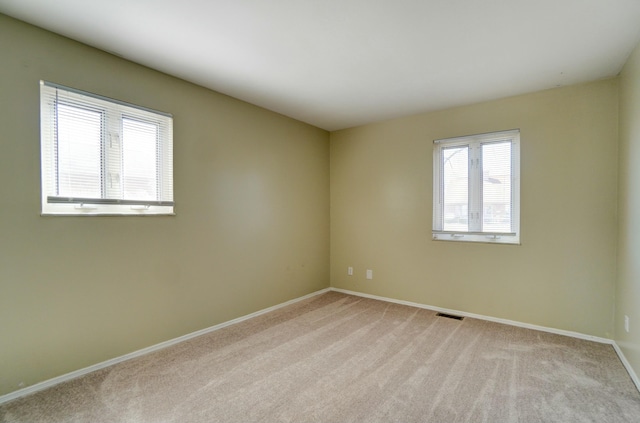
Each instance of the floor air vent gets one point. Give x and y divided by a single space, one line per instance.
449 316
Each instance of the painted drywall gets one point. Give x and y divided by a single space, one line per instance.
628 283
251 230
563 274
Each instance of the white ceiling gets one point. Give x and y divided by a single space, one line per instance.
342 63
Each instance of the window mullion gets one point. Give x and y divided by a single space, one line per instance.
113 157
475 188
103 155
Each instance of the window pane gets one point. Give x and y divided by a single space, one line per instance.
79 152
496 187
455 173
140 160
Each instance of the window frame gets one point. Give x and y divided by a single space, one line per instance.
475 184
112 201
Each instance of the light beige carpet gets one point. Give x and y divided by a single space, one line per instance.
340 358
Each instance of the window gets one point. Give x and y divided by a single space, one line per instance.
476 188
101 156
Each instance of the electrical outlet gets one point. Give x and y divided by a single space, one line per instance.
350 271
626 323
369 274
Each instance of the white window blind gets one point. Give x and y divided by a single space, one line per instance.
139 152
102 156
79 151
476 188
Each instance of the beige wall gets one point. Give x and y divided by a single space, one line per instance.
563 274
251 231
252 225
628 286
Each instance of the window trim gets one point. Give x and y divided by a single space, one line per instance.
114 112
475 188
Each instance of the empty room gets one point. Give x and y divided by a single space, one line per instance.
320 211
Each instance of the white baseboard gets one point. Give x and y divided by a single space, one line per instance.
578 335
479 316
627 365
81 372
